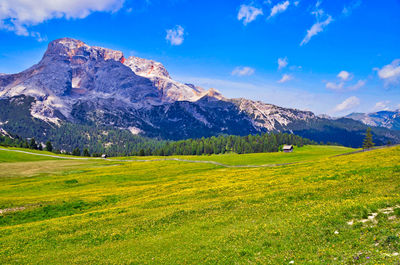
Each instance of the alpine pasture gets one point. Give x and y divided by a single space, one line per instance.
319 209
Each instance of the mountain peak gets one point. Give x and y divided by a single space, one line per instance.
213 93
146 68
68 42
76 49
384 118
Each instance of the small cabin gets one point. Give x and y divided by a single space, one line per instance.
103 156
288 148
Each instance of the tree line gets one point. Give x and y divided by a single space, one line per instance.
268 142
260 143
17 141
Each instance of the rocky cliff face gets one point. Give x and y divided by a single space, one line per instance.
83 84
159 76
70 72
78 82
146 68
271 117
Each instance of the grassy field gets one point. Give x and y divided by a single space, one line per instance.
21 157
171 212
305 153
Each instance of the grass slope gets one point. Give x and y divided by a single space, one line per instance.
306 153
169 212
9 156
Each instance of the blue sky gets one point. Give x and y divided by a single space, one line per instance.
333 57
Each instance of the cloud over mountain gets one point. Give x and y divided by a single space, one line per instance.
243 71
282 63
390 73
322 20
285 78
248 13
279 8
175 36
19 15
347 104
344 75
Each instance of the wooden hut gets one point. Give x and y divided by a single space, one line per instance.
288 148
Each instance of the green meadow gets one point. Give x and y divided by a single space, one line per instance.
11 157
302 154
323 209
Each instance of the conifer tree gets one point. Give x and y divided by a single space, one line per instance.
141 152
86 152
32 144
368 143
76 152
49 146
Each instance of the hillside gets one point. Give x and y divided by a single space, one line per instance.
301 154
90 88
324 210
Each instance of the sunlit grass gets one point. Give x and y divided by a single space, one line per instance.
305 153
7 156
170 212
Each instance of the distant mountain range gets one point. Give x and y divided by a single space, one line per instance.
78 84
386 119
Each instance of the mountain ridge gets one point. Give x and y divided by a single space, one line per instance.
385 118
90 85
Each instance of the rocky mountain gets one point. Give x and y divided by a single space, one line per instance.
386 119
75 83
271 117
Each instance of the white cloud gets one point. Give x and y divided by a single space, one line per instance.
344 75
322 20
285 78
335 86
19 15
279 8
381 105
296 3
175 35
348 104
347 10
390 73
315 29
282 62
358 85
248 13
340 86
243 71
